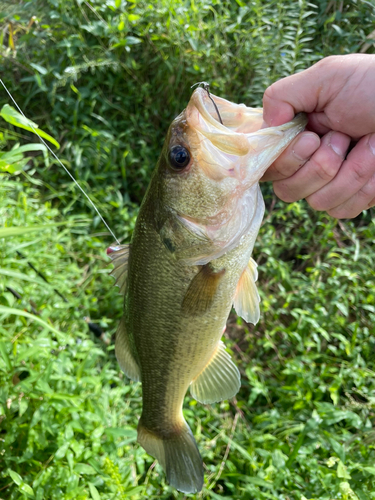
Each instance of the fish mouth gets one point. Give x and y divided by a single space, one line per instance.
235 118
227 148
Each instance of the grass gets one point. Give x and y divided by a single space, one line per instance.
105 82
301 425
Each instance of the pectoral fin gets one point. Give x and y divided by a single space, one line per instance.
124 355
219 380
119 256
202 290
246 300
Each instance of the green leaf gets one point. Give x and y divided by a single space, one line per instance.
133 491
258 481
15 118
25 488
24 277
39 68
29 147
297 446
132 40
22 407
94 492
17 312
370 470
218 497
119 432
5 356
60 453
8 167
15 231
234 444
84 469
13 161
16 477
342 471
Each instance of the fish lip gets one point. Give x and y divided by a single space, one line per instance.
201 99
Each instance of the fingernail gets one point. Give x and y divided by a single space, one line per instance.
339 143
306 146
371 143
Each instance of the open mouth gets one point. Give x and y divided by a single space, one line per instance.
231 148
235 118
230 135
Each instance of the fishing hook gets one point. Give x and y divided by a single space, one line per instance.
206 87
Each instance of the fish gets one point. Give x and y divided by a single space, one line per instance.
189 261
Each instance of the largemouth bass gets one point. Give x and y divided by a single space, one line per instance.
188 262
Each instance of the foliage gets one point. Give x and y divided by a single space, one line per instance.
106 78
14 160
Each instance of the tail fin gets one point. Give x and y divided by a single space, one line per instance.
178 455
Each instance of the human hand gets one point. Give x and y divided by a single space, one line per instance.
338 94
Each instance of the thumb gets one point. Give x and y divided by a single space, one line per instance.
289 96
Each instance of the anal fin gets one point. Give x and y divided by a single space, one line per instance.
124 355
219 380
246 300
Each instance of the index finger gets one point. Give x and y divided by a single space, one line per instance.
291 95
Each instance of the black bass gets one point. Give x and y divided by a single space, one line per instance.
188 263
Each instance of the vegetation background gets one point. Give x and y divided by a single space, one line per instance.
105 78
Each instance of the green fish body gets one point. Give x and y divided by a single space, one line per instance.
188 263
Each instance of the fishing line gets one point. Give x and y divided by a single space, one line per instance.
60 163
206 87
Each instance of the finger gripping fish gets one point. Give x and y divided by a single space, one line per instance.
188 262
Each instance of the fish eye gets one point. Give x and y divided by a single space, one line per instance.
179 157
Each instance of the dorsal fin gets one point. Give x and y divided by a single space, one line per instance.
119 256
246 300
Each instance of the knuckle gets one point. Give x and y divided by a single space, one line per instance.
281 191
359 172
366 191
286 166
276 170
270 93
316 203
336 213
323 64
325 169
327 62
342 213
